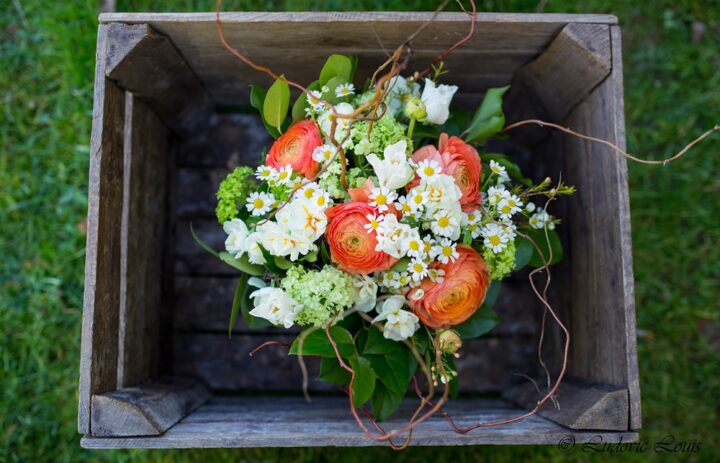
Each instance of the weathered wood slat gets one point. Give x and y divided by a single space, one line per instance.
99 350
143 233
148 409
600 281
551 85
581 406
290 422
224 363
298 43
156 72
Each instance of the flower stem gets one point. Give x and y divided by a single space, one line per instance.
410 129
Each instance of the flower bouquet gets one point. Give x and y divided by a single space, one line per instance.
379 225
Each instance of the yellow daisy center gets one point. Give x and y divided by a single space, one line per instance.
258 203
309 193
380 200
414 245
447 251
418 267
494 240
443 222
429 171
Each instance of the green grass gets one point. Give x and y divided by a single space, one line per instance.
46 70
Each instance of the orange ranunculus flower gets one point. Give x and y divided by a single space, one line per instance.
352 248
295 148
460 160
460 294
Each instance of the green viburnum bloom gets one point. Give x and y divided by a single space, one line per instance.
502 263
385 132
330 180
323 293
232 193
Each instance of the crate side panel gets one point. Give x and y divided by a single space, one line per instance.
290 422
99 350
602 302
144 232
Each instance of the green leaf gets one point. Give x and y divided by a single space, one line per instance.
282 263
317 343
242 264
523 252
298 109
276 104
512 169
257 100
337 66
246 306
310 257
385 402
455 381
492 293
270 262
393 368
331 372
202 243
482 321
325 253
467 237
237 301
489 118
377 343
401 265
364 384
538 236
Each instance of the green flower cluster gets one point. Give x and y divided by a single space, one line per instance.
330 180
356 178
232 193
323 293
502 263
385 132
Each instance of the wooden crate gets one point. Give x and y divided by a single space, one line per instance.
157 367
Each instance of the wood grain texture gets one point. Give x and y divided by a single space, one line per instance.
223 363
156 73
290 422
602 314
143 233
551 85
297 44
99 349
580 406
148 409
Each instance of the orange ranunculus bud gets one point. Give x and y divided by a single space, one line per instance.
352 246
460 294
295 148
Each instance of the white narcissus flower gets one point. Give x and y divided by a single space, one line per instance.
366 292
399 324
395 236
437 101
275 305
394 171
255 255
237 233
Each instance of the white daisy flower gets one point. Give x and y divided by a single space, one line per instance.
417 198
322 199
418 269
437 275
405 207
446 224
417 294
541 219
497 169
470 218
344 90
374 223
284 175
381 197
324 153
428 243
404 279
308 191
260 203
415 247
446 251
428 168
509 205
474 229
495 195
265 173
314 100
391 280
495 237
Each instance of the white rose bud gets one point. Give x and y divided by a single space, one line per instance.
437 101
